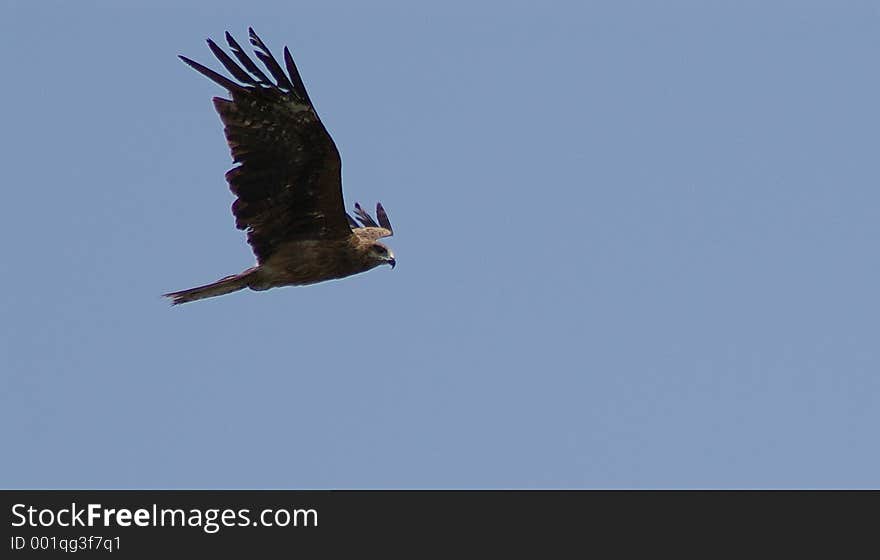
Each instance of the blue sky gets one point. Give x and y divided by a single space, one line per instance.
636 241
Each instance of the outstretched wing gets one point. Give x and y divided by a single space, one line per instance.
288 182
368 228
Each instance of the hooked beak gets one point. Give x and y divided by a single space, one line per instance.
392 262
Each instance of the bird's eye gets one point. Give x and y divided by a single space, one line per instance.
380 249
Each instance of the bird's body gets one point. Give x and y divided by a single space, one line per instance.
288 182
293 264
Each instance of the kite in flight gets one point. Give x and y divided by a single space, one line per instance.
288 181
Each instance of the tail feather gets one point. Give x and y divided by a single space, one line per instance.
223 286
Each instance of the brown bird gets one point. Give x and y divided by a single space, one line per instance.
288 181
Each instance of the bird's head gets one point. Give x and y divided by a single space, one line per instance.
381 254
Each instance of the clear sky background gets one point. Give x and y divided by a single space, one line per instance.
637 247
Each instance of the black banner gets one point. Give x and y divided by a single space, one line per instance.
125 524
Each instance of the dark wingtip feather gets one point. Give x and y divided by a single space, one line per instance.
298 85
213 76
363 216
254 38
246 61
383 217
265 55
230 64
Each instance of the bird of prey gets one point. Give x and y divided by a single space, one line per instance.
288 182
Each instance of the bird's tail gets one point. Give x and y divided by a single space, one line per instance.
220 287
